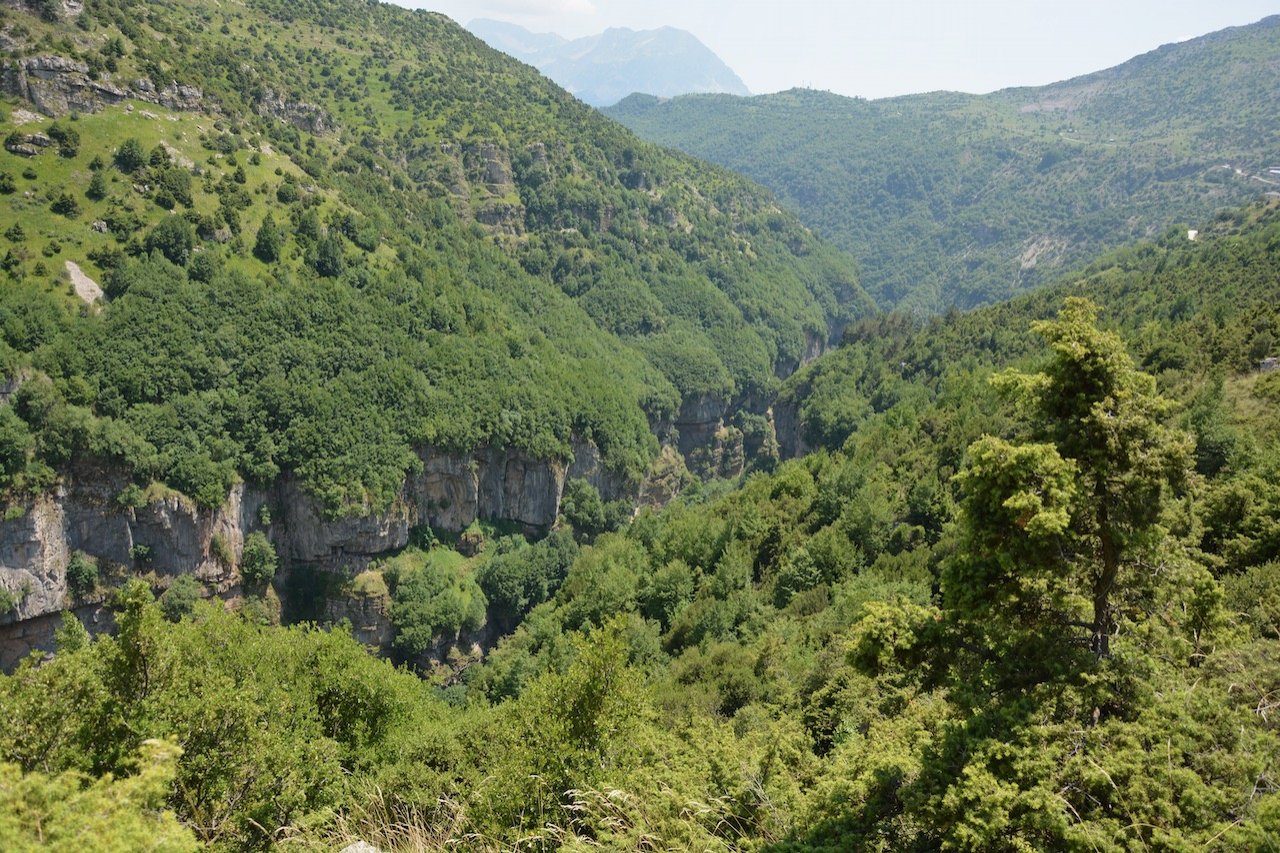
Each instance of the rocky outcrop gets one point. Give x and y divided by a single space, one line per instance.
587 465
667 478
163 537
304 116
368 615
502 218
787 428
58 9
56 85
815 344
697 423
489 165
166 535
724 457
173 96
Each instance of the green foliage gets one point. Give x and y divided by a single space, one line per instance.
432 600
589 515
258 561
66 205
68 139
266 246
130 156
179 600
954 199
69 810
174 238
608 274
767 666
517 577
82 575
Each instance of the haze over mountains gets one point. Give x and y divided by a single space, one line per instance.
602 69
954 199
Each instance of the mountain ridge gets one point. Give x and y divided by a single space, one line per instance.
948 198
604 68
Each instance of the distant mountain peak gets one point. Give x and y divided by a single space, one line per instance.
603 69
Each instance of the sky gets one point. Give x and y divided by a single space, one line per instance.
879 48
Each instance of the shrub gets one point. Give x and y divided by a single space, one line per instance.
180 598
82 575
68 139
258 561
267 247
435 601
174 238
66 205
130 157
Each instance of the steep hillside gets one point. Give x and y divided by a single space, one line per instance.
335 271
603 69
897 644
951 199
462 219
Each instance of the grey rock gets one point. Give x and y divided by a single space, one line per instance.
360 847
302 115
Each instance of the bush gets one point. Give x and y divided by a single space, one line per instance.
258 561
435 601
174 238
267 247
327 259
66 205
205 266
180 598
82 575
130 156
68 139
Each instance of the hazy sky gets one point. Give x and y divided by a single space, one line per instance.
880 48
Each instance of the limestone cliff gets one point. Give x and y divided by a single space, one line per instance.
56 86
164 534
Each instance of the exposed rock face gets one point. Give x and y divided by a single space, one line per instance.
667 478
724 456
169 535
369 616
699 420
304 116
490 165
815 345
173 96
586 465
502 217
56 85
786 424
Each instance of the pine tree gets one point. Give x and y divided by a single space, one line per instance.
1055 526
270 241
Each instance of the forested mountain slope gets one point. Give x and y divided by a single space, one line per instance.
1030 601
954 199
333 232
